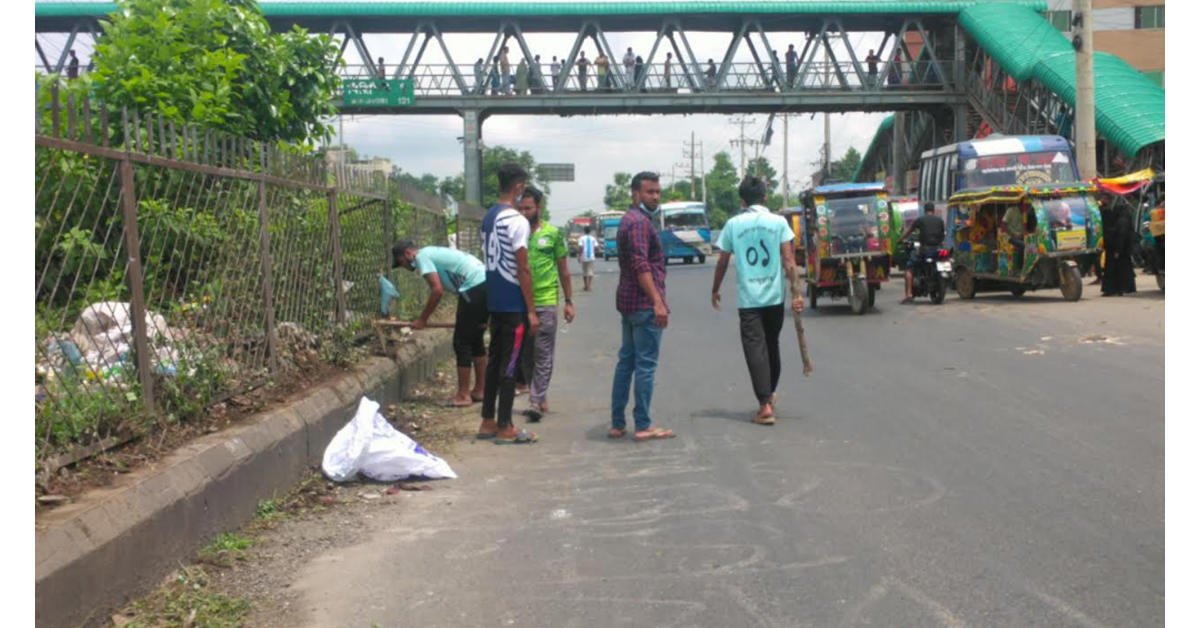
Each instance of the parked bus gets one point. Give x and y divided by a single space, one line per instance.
998 160
606 226
683 231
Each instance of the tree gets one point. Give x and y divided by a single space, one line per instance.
216 63
761 167
844 168
494 157
616 194
722 182
680 191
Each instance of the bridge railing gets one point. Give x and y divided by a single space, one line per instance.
434 80
442 80
179 268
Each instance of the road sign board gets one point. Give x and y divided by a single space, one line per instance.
557 172
378 93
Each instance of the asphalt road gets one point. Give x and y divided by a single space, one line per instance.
996 462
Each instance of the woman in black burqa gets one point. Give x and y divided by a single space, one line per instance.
1119 278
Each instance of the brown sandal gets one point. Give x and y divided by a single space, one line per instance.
654 433
616 433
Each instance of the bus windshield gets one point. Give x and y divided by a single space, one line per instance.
610 232
577 228
1033 168
687 219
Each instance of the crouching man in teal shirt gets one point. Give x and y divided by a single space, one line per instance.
449 269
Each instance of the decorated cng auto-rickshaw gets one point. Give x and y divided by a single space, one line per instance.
846 231
1020 238
1143 194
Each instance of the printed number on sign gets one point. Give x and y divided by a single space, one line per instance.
753 256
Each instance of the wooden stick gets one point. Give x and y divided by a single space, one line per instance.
798 293
410 324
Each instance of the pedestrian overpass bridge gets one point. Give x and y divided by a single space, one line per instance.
950 70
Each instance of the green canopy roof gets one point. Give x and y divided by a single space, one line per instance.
884 128
1131 111
599 9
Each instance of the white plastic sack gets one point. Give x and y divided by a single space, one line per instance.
370 445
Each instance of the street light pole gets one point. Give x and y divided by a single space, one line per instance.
1085 91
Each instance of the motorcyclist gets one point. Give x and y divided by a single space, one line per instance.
933 234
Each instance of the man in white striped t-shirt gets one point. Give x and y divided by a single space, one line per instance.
514 321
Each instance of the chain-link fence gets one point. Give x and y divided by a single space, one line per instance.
470 220
177 266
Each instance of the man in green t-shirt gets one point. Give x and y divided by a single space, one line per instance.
548 265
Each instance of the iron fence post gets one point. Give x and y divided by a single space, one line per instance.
388 234
335 238
137 299
264 246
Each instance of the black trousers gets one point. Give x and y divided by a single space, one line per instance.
470 321
760 329
510 353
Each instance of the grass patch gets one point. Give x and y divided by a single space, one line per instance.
226 548
269 510
185 601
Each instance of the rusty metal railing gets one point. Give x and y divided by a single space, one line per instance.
178 266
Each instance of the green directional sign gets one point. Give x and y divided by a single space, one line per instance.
378 93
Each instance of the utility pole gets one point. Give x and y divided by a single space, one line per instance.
689 152
827 166
785 160
703 180
741 142
675 178
1085 90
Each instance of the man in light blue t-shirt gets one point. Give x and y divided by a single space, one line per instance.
450 270
762 243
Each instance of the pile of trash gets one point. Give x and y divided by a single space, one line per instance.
98 346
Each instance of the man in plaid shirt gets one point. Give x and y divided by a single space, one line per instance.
642 302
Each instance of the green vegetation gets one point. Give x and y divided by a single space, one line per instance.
188 601
844 168
269 509
225 549
616 194
216 63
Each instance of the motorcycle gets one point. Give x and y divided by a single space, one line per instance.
931 271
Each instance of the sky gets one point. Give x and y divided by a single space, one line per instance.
599 146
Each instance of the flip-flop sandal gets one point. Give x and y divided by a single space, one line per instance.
655 434
907 301
485 436
533 414
615 433
770 420
456 404
523 438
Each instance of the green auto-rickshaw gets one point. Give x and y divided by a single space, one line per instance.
1057 226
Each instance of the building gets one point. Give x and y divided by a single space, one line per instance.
1134 30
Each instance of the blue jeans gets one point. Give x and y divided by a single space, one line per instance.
638 359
